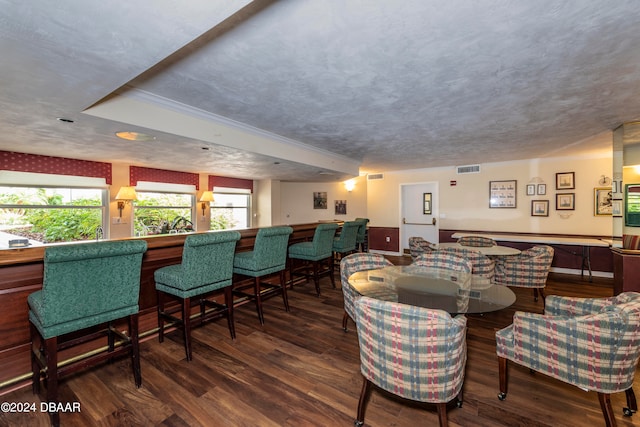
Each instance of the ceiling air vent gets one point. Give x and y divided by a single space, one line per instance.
467 169
375 176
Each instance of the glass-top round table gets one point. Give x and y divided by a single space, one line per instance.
430 287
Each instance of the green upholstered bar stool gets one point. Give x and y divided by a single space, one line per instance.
207 266
85 286
345 243
268 257
317 255
362 238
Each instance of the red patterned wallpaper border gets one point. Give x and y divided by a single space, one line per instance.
223 181
137 173
36 163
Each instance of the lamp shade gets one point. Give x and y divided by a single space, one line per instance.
126 193
207 196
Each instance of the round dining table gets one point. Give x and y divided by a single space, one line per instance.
430 287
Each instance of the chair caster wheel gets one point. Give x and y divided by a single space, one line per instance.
357 423
502 396
627 412
458 403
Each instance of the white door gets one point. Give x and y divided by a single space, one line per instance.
419 212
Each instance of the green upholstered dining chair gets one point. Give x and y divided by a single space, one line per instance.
84 285
207 266
415 353
361 239
345 243
268 257
316 256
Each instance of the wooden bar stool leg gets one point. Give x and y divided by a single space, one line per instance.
228 301
36 343
283 285
258 298
51 351
135 349
186 326
160 296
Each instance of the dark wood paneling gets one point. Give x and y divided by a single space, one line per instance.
378 239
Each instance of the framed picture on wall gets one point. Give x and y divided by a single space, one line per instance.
602 201
502 194
531 189
539 208
616 208
319 200
341 207
565 181
542 189
565 201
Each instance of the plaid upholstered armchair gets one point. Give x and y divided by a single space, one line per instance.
419 246
590 343
529 269
442 259
483 267
350 264
413 352
476 241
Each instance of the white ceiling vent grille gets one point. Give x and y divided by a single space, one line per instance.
375 176
467 169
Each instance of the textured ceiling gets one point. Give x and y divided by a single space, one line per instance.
303 90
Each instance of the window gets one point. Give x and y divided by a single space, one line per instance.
161 213
230 210
51 214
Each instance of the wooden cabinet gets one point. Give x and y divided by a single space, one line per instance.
626 270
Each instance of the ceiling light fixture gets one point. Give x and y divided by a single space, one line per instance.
135 136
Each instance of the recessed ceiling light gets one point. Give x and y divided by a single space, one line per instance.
135 136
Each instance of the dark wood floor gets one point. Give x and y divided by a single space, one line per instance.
301 369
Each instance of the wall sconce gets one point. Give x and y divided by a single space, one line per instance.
125 195
350 185
207 196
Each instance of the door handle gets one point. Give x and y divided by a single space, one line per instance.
433 221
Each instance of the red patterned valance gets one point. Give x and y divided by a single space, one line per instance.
22 162
159 175
223 181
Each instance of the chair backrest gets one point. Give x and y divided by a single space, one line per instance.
347 239
270 247
323 239
441 259
208 257
418 246
88 279
362 229
530 268
413 352
361 261
481 264
476 241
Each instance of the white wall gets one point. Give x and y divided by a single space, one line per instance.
297 201
466 205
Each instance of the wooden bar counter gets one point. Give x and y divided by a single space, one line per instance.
21 274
